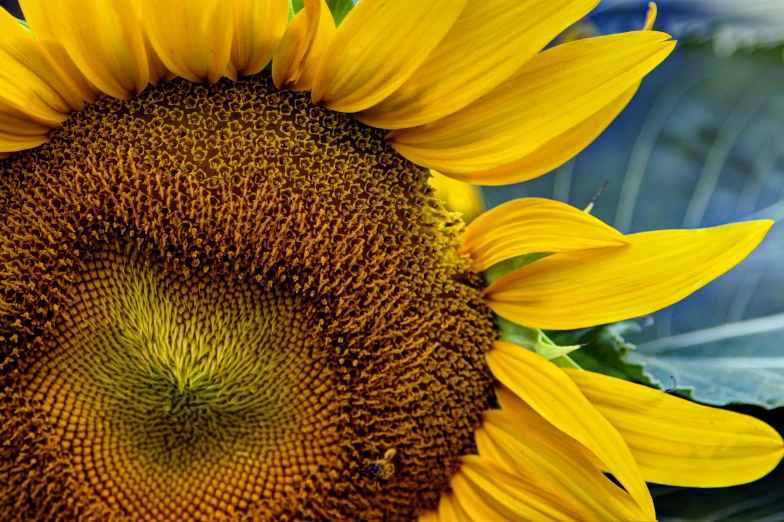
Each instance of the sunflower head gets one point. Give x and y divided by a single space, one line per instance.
229 292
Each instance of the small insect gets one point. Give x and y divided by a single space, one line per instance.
382 468
674 385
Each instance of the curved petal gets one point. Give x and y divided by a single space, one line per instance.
533 225
678 442
555 152
158 72
258 27
592 287
43 22
449 509
11 142
105 42
302 46
528 444
550 392
491 40
540 102
29 89
377 47
488 493
459 197
561 148
193 42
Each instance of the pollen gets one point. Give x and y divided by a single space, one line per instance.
217 302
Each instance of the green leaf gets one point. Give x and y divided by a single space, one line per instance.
740 362
604 350
339 8
565 361
536 341
532 339
502 268
295 6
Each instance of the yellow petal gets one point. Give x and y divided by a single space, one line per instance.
258 27
488 493
592 287
378 46
650 17
533 225
192 38
449 509
459 197
561 148
43 22
550 392
555 152
553 92
28 85
302 46
680 443
528 444
105 41
11 142
491 40
158 71
17 123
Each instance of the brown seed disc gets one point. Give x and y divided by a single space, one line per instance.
226 303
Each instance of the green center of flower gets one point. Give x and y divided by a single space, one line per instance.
230 302
157 381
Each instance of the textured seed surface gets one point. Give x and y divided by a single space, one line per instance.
223 303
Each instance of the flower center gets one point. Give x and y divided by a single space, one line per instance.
156 381
224 301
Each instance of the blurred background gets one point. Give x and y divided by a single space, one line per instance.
701 144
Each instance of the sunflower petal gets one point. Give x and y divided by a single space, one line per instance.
258 27
550 392
563 147
449 509
507 400
533 225
490 42
43 22
302 46
592 287
158 71
528 444
11 142
540 102
555 152
459 197
486 492
378 46
105 41
193 42
680 443
29 96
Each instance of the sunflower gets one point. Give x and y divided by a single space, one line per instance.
227 291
